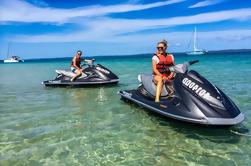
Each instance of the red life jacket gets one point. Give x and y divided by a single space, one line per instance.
165 61
78 61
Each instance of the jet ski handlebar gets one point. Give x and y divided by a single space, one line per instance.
193 62
89 61
183 68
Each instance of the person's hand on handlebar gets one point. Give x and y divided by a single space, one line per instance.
168 78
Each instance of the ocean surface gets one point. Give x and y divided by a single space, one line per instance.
92 126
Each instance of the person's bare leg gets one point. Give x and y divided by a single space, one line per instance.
78 73
159 81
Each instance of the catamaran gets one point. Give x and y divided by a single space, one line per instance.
196 51
12 59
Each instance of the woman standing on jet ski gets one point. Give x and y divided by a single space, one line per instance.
161 61
75 65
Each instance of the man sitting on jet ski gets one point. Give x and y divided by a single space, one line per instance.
161 61
75 65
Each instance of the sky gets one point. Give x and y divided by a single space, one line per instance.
52 28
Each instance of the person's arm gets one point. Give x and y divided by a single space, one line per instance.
170 76
74 63
172 73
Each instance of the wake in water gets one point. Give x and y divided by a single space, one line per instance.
240 130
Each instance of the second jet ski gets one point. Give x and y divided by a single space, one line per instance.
92 75
195 99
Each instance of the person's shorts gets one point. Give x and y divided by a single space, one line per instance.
73 69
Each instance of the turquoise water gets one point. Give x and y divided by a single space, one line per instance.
92 126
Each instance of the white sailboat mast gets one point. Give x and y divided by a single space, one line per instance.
8 51
194 40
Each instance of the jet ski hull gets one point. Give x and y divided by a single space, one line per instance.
172 108
63 83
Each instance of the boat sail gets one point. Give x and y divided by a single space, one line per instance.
196 51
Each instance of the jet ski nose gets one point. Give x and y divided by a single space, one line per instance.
139 78
226 121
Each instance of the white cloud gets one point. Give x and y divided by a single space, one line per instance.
39 3
21 11
107 29
142 43
127 31
206 3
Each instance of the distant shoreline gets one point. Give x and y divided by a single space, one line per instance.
143 54
230 51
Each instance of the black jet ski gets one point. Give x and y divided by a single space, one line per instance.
195 99
92 75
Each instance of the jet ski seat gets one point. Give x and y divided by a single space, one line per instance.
69 73
150 86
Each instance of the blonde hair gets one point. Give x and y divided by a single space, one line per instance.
163 41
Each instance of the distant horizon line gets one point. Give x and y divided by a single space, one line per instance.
208 52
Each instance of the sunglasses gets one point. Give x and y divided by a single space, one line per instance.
160 48
79 54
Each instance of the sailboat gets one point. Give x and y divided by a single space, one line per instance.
196 51
12 59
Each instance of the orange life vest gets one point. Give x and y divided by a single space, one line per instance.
165 61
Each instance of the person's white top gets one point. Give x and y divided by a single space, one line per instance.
155 58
